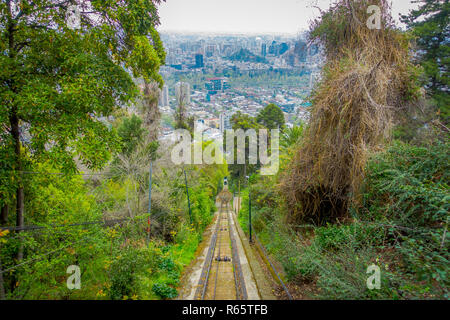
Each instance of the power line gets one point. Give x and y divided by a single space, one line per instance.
105 222
33 227
42 257
59 249
21 236
65 173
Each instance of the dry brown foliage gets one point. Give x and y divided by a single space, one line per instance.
151 111
366 79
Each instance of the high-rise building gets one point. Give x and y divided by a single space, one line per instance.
210 50
164 97
185 46
264 50
273 48
225 122
213 85
183 93
282 48
199 61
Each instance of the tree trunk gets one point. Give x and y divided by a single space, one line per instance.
20 218
2 287
19 192
151 111
4 214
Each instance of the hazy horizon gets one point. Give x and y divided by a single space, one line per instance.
248 16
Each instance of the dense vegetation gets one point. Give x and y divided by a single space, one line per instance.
77 141
115 258
365 182
397 218
430 25
401 226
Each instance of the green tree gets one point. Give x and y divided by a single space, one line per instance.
243 121
291 136
271 117
430 25
131 132
56 83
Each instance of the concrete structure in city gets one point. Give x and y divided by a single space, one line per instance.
214 85
199 61
225 122
164 97
183 93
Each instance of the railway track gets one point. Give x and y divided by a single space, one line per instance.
221 277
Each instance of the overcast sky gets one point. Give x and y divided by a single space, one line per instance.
247 16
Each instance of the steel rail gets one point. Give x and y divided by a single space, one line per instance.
236 284
205 285
218 260
241 290
203 282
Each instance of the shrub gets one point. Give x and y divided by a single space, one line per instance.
400 226
123 273
356 234
164 291
409 184
406 190
167 264
342 275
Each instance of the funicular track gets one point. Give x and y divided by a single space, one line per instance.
221 277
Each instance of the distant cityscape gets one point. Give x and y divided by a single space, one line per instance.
219 75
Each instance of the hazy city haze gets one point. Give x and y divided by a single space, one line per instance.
247 16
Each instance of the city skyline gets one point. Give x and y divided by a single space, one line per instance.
249 16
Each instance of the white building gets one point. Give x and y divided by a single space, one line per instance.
225 122
164 97
313 78
183 93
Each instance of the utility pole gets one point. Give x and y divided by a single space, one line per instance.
239 195
187 193
249 211
149 201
